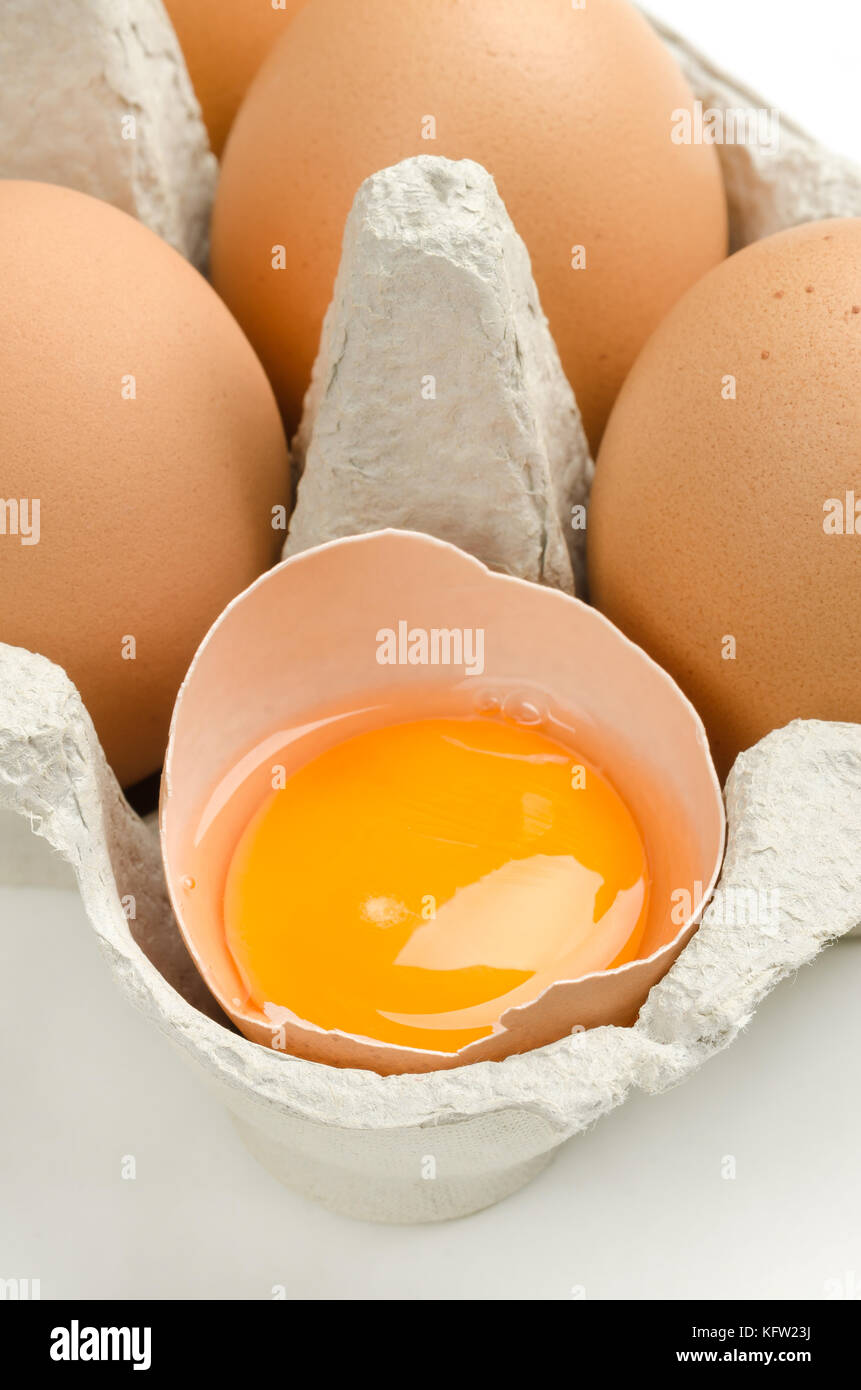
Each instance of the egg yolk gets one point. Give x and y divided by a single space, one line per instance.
413 882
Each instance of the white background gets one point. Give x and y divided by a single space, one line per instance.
637 1208
801 55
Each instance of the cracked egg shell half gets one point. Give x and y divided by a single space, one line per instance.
550 794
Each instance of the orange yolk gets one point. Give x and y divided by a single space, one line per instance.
413 882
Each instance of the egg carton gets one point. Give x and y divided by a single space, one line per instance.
96 96
443 1144
412 1147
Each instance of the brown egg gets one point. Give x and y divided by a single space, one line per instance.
570 110
224 43
725 522
142 452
